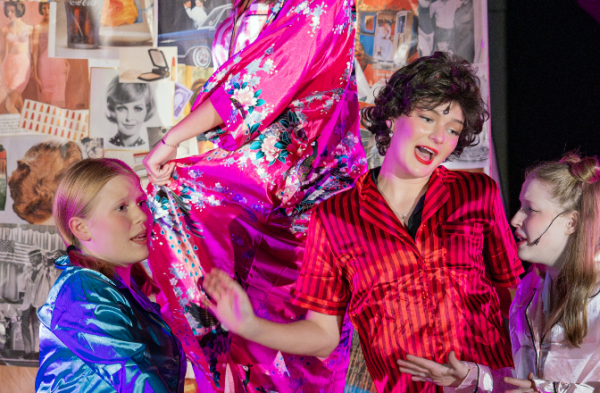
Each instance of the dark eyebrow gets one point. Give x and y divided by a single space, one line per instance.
439 114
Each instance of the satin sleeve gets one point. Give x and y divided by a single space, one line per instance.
301 61
95 322
483 379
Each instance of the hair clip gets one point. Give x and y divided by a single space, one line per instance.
72 248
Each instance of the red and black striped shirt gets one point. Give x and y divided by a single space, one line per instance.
426 296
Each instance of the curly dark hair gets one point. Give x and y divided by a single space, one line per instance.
427 83
18 6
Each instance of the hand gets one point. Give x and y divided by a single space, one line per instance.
525 385
157 163
449 374
229 302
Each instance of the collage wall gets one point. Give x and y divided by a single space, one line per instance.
93 78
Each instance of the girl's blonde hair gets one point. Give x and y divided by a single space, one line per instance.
574 183
76 197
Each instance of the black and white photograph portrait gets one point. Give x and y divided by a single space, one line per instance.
121 112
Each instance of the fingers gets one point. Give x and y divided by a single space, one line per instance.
422 362
160 175
524 390
412 368
531 377
460 369
521 383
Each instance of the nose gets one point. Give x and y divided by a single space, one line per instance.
517 219
439 134
141 215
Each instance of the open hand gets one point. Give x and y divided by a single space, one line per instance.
524 385
229 302
157 163
449 374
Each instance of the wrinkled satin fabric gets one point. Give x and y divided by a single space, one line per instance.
290 139
97 335
557 367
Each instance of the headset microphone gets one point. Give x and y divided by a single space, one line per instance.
535 243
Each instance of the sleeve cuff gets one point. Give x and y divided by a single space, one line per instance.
478 380
233 128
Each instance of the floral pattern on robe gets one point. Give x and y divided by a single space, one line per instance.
290 139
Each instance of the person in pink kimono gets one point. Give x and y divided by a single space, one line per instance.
282 109
555 316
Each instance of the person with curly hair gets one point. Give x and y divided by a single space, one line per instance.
415 254
33 183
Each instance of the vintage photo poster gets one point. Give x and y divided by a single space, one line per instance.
35 164
93 147
27 71
27 273
181 98
85 29
121 112
141 65
392 33
452 26
190 26
386 40
477 156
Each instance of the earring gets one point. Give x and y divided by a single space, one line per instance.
391 134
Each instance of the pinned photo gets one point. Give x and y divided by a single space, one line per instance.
139 65
52 120
28 72
96 28
35 164
181 99
121 112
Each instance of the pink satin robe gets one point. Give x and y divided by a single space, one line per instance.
290 139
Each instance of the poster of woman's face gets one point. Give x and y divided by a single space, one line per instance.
121 112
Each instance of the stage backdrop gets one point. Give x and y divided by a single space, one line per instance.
57 58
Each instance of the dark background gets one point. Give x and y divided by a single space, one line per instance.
545 84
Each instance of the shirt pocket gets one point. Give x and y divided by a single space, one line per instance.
462 246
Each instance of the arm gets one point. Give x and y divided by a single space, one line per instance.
202 119
456 376
3 48
317 335
532 384
35 41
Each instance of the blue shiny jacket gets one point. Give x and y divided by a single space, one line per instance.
97 335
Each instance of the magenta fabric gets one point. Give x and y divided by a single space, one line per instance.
290 140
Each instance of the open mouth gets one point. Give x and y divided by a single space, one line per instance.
520 239
141 238
424 154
